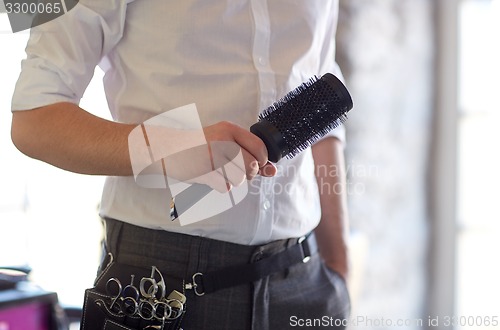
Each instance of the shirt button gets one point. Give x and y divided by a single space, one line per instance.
262 61
266 205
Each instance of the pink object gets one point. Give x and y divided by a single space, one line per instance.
29 316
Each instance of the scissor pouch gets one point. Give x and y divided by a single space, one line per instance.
133 298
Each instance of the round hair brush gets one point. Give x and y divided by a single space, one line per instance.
303 116
289 126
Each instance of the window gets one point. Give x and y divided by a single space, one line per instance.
466 231
478 240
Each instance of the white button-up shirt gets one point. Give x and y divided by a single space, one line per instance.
231 58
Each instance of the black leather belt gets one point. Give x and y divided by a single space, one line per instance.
203 283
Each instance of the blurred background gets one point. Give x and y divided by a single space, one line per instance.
422 170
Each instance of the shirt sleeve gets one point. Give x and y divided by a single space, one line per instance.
339 132
62 54
328 63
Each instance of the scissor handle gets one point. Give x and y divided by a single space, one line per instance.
109 291
130 291
149 286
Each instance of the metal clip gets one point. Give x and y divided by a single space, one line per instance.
194 286
305 249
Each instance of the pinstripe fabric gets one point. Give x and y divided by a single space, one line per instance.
306 293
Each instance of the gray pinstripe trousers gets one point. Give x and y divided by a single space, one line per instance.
307 295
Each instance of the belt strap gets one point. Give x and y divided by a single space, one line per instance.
236 275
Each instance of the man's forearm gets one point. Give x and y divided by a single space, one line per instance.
71 138
332 230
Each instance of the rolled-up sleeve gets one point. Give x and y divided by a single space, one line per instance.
63 53
328 63
339 132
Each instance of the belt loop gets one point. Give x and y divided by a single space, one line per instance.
203 254
113 235
193 263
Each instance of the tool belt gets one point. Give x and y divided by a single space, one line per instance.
127 297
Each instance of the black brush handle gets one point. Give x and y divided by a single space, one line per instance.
272 138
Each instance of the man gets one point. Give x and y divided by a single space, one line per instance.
232 59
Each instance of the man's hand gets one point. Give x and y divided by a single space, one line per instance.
224 139
230 155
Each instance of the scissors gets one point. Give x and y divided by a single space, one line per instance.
149 286
124 299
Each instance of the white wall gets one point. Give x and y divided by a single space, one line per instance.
385 48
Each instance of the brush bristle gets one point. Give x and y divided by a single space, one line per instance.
309 112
